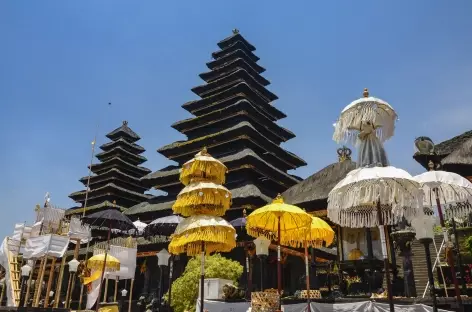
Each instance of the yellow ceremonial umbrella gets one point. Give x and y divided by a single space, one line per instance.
202 198
202 233
96 262
318 232
284 219
101 262
203 167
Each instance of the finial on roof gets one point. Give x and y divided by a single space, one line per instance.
125 123
235 31
366 92
244 213
344 153
114 203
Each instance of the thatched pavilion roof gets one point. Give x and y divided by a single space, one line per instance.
312 193
462 155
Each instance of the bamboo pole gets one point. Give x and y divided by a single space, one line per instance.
116 289
37 294
130 295
105 292
50 278
57 296
28 287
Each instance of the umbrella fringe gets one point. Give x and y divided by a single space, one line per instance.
210 171
216 239
213 202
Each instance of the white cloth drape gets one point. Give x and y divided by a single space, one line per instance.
51 245
77 230
4 262
363 306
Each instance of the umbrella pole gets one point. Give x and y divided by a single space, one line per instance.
116 289
452 264
202 277
279 266
130 295
307 273
97 306
382 230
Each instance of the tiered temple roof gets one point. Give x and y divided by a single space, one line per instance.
116 180
236 121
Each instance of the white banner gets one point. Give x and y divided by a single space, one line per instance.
127 257
77 230
52 245
4 262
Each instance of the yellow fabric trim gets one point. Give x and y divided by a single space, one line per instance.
95 276
96 263
209 201
217 239
207 170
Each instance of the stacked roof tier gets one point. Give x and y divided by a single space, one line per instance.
116 180
236 121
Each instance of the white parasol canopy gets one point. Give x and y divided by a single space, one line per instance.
140 226
366 109
454 192
352 202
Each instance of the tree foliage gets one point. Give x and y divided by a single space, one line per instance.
185 288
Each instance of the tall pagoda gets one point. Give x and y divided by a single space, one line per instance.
236 121
116 178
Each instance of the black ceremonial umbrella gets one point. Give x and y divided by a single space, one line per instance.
109 218
164 226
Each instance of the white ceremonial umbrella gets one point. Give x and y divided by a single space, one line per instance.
448 189
454 192
353 201
376 196
139 226
366 109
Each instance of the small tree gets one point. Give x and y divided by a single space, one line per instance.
185 288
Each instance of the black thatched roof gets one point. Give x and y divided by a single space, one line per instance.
106 190
135 158
235 37
157 203
193 146
241 90
315 189
462 155
130 147
123 132
106 204
237 46
119 162
235 77
241 108
448 146
253 69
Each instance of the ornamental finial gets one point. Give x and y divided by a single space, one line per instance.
235 31
366 92
344 153
278 200
430 165
204 151
125 123
244 213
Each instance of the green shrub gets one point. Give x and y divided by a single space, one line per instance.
185 288
468 244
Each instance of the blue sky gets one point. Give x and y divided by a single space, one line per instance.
61 62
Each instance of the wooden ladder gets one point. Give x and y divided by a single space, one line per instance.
14 278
